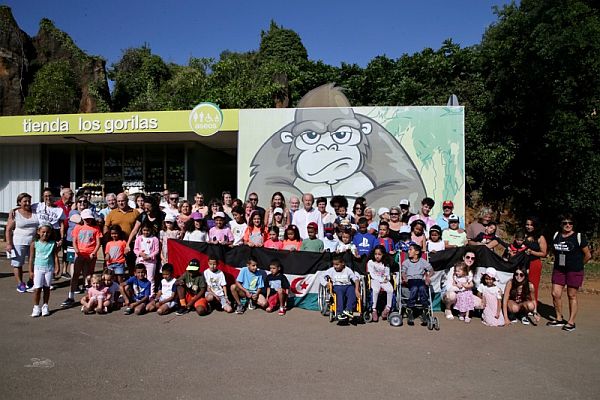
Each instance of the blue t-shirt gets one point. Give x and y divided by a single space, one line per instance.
251 281
364 242
140 287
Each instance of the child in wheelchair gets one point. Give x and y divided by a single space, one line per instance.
416 274
346 287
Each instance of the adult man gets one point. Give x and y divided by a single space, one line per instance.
426 205
253 199
405 213
164 202
125 217
447 211
111 204
306 215
52 215
173 207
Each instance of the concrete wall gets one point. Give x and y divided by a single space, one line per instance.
20 171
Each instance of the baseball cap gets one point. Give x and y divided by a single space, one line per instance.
278 210
196 216
170 218
219 214
453 217
405 202
193 265
87 214
383 210
447 203
312 225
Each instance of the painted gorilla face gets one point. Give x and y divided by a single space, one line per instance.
327 153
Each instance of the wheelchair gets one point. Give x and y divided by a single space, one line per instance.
400 310
327 300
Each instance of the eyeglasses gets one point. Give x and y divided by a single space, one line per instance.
564 223
519 274
394 213
469 257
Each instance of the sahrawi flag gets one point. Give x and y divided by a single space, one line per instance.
304 269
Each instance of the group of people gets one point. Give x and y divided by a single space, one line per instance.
134 233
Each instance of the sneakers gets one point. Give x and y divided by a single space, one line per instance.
449 315
568 327
36 311
22 288
556 322
281 311
467 320
182 311
67 303
525 320
129 311
342 317
251 305
374 316
66 275
385 313
45 310
410 317
80 290
348 313
239 309
30 289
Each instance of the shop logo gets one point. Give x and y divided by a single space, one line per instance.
206 119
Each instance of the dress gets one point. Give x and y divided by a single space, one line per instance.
491 295
464 297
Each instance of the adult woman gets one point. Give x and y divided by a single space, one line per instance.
373 226
151 216
518 299
227 203
139 202
571 252
449 295
248 208
20 230
277 201
185 211
52 215
214 207
484 218
395 223
537 248
199 205
358 210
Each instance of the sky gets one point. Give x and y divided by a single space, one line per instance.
332 31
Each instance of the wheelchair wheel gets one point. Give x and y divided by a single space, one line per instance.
395 319
436 323
331 316
430 324
322 300
367 316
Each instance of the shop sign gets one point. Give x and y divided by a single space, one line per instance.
206 119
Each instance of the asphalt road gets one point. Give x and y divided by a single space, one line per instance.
258 355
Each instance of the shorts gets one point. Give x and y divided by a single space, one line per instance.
222 300
42 278
117 268
170 304
20 251
87 264
572 279
199 303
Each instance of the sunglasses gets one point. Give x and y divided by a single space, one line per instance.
173 198
519 274
469 257
82 201
394 213
567 223
253 199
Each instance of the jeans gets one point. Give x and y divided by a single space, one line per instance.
418 291
344 295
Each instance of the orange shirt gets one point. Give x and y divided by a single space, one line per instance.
115 252
85 238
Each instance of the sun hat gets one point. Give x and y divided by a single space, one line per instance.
491 272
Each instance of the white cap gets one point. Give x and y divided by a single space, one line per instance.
170 218
219 214
453 217
86 214
383 210
278 210
404 202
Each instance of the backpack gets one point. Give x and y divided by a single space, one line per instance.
578 237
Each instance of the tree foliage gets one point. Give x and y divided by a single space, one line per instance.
54 90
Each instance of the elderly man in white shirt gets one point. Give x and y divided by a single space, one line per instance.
306 215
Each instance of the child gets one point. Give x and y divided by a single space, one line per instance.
278 222
346 244
256 234
518 245
216 293
435 242
342 214
86 243
330 240
97 298
416 273
364 241
379 271
136 292
277 286
43 263
383 239
454 236
463 281
487 238
249 285
170 231
191 288
114 253
164 301
220 233
417 233
312 243
238 225
345 285
196 229
146 249
108 279
491 299
273 242
292 240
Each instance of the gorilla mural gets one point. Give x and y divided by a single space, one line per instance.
334 151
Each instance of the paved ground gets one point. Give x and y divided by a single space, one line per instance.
301 355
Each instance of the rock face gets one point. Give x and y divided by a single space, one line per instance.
21 57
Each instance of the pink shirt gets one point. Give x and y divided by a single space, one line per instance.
271 244
95 293
222 235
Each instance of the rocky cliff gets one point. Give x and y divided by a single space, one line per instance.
21 57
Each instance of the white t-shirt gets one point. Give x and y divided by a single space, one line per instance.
196 236
436 246
167 288
215 281
238 232
48 215
342 247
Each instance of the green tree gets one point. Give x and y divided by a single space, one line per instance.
54 90
282 45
